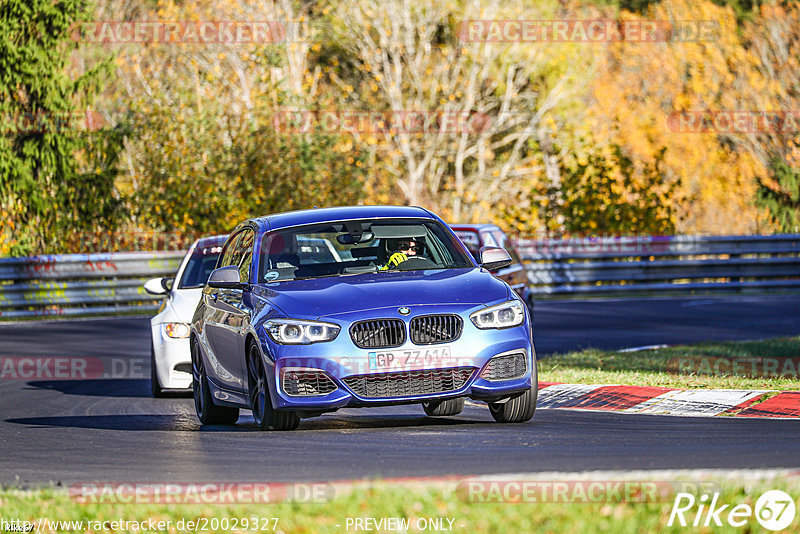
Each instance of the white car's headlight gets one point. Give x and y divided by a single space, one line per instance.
176 330
504 315
294 332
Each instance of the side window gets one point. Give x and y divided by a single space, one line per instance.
244 249
228 256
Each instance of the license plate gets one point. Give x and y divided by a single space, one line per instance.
410 359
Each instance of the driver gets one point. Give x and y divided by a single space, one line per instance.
404 249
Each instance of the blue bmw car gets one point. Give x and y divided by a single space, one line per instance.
311 311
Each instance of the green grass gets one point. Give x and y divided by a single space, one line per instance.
682 366
413 502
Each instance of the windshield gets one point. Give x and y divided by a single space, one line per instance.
202 261
355 247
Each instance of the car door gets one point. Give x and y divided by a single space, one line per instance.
223 322
235 305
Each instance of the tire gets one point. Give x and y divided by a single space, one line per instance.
265 416
155 385
520 407
208 412
445 407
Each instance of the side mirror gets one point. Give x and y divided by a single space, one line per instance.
166 283
493 258
225 278
157 286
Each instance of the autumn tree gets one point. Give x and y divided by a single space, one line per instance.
208 153
774 39
57 169
412 56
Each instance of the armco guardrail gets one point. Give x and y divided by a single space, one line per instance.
76 284
661 264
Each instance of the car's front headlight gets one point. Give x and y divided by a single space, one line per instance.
176 330
294 332
504 315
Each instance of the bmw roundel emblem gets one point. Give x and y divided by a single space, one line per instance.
404 310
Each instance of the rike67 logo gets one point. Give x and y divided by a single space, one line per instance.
774 510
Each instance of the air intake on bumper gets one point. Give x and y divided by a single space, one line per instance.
409 383
505 367
307 383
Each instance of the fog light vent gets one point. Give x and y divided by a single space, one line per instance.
304 383
505 367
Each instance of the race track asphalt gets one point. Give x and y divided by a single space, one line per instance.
111 430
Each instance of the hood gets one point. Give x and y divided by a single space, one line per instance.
311 299
183 302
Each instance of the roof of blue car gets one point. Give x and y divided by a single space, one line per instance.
479 226
294 218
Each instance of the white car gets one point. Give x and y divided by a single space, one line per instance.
170 357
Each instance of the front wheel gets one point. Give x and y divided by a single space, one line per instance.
516 409
208 412
520 407
445 407
265 416
155 385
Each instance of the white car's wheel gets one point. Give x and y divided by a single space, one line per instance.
155 386
445 407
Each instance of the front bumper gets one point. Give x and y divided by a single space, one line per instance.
173 359
341 360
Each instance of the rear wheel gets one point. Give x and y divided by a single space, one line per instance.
265 416
208 412
444 407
